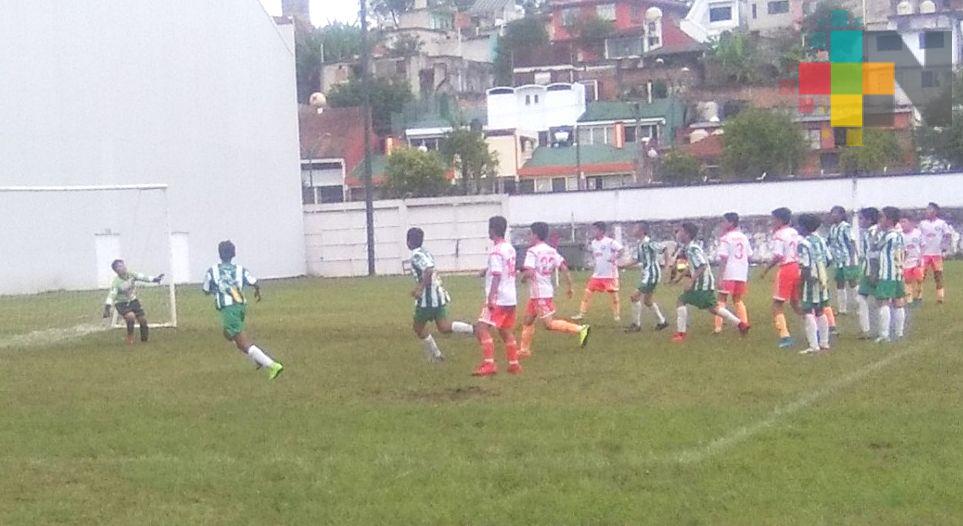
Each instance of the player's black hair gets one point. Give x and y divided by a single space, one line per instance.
600 225
809 223
870 213
732 218
114 263
645 226
783 214
892 213
226 250
540 229
497 225
416 237
691 230
934 206
838 210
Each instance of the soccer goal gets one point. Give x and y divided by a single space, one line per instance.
59 243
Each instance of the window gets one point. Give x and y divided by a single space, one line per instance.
623 47
526 186
594 183
889 42
331 194
630 134
815 139
653 32
307 195
605 12
442 21
753 11
569 17
558 184
839 136
528 100
720 13
543 77
930 79
778 7
829 162
536 99
931 40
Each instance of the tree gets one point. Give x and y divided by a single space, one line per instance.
880 149
341 42
680 167
592 32
522 34
759 141
387 96
390 9
825 17
406 46
735 58
413 173
467 151
332 43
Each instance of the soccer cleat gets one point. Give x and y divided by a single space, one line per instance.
485 369
578 317
662 326
275 370
809 351
618 319
882 340
514 368
833 331
716 332
864 336
440 358
744 328
583 335
524 353
633 328
787 342
679 337
824 348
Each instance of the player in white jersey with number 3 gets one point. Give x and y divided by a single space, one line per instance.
541 262
937 234
734 253
500 301
605 278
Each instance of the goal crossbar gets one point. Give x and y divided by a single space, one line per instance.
84 188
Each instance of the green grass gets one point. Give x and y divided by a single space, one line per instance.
360 430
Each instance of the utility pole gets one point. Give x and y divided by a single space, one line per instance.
578 160
366 109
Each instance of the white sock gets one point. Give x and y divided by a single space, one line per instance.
862 308
822 324
812 331
884 320
842 302
460 327
899 319
637 313
728 316
431 348
853 293
682 318
257 356
658 312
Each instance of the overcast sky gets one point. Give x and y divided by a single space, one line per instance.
323 11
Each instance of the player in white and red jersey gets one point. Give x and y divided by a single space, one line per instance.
500 301
937 234
785 241
541 262
913 271
605 278
734 253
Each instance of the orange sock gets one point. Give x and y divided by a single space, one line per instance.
719 321
564 326
779 321
741 311
528 334
511 349
586 299
830 315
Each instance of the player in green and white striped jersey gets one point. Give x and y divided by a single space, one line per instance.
814 261
890 289
845 258
648 257
123 296
701 291
431 298
226 282
869 264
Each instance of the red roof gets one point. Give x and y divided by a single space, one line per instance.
335 133
708 148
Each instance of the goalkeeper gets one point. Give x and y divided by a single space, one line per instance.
123 297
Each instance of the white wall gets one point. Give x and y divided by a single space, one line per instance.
336 233
558 107
198 95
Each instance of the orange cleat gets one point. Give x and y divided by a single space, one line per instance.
744 328
679 337
514 368
485 369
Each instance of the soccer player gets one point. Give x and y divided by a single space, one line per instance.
937 234
123 296
734 253
647 259
605 277
785 239
890 292
500 301
913 271
541 262
431 298
845 257
813 263
869 250
701 290
226 282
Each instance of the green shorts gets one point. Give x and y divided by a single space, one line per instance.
850 273
427 314
232 319
890 289
809 307
648 286
866 287
703 299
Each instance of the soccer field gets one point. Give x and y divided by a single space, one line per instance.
361 430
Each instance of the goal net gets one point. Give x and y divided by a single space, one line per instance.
59 243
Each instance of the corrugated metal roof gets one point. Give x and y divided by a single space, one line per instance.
489 6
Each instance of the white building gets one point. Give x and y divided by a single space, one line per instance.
707 19
197 95
535 107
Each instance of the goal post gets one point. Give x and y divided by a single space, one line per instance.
60 241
